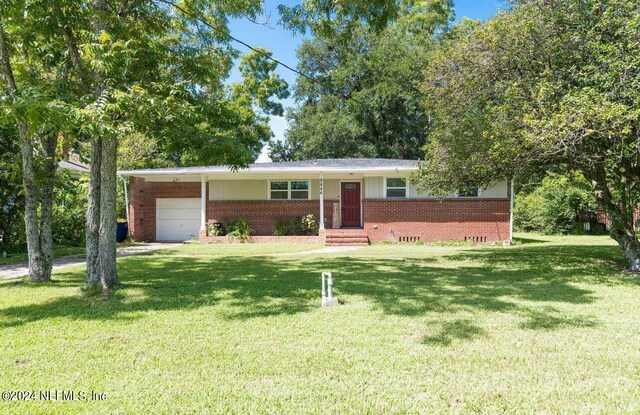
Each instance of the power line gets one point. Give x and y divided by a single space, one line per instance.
258 51
217 30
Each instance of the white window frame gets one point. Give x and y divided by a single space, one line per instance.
288 181
406 187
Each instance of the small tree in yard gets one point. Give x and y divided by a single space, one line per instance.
34 107
97 71
545 83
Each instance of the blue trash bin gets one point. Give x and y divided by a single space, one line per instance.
121 233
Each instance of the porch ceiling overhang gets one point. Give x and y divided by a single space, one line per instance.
343 170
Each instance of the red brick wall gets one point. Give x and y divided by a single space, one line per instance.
142 204
263 214
436 220
384 219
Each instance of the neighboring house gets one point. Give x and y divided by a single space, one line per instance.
361 200
76 169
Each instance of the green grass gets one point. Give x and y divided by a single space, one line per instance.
58 251
235 249
550 325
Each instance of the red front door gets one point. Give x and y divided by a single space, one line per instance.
350 200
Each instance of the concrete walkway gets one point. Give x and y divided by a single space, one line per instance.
22 268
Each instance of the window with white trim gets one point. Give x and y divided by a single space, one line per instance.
396 187
289 189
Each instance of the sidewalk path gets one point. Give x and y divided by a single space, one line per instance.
22 268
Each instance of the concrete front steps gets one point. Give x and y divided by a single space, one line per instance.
352 238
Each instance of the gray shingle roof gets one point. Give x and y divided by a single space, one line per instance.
340 163
345 164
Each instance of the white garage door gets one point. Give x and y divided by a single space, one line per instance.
177 219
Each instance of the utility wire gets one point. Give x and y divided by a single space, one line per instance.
258 51
217 30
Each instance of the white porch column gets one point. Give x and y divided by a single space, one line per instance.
321 188
203 203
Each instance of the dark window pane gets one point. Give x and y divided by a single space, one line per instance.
279 186
396 192
299 194
396 182
279 194
300 185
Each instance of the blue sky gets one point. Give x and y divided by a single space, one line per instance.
284 44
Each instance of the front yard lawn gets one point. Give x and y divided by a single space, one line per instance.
550 325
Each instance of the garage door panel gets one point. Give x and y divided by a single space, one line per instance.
177 219
177 230
178 203
177 214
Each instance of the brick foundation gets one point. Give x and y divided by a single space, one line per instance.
263 214
484 220
436 220
264 239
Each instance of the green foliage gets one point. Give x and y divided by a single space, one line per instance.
69 200
327 18
239 229
523 90
542 84
364 102
11 196
69 210
215 229
528 212
160 73
556 206
260 83
307 225
283 227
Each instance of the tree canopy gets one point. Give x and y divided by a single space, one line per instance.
364 99
100 72
545 83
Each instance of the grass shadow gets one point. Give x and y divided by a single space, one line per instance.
491 279
462 329
527 241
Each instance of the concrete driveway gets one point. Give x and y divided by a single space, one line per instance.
22 268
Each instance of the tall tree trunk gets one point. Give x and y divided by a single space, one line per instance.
49 144
39 264
93 214
31 220
108 183
628 242
620 214
623 232
101 215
